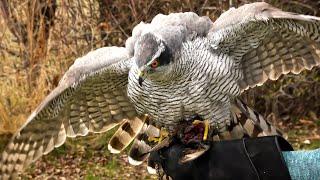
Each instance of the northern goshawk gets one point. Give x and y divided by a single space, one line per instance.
172 68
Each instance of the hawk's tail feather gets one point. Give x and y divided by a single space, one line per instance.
236 131
151 166
140 148
127 131
250 122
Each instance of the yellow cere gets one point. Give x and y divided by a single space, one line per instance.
140 73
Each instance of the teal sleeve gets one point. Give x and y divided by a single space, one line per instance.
303 165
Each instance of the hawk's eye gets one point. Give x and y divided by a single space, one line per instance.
155 63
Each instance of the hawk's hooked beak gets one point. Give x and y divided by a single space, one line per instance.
141 78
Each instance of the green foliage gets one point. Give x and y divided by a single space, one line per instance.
59 151
112 164
315 144
92 177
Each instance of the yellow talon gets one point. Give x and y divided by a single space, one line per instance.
154 139
163 134
206 128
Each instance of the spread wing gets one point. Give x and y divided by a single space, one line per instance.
267 42
91 96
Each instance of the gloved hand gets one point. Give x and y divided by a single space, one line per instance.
247 159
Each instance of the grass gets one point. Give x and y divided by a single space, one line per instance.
92 177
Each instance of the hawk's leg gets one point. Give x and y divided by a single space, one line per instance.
163 134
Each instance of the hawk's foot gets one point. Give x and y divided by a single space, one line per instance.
195 133
206 127
163 134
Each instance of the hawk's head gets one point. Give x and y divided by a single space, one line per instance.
153 57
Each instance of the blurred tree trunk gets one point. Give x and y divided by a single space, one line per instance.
103 6
31 26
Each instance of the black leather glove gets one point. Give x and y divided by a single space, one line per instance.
247 159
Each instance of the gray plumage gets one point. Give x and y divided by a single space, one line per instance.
202 67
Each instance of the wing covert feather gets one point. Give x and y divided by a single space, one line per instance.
266 42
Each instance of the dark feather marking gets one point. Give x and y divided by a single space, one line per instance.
127 128
116 143
165 57
257 115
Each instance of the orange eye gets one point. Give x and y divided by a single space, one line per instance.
155 63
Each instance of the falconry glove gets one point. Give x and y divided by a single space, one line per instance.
247 159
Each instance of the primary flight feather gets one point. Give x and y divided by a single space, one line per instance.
172 68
